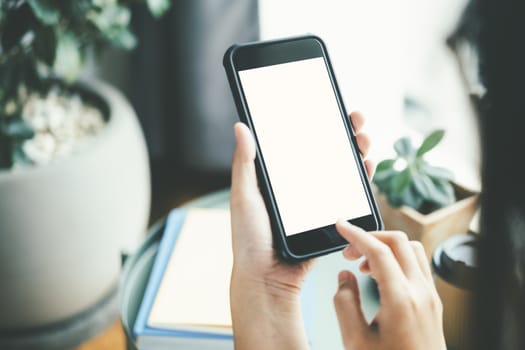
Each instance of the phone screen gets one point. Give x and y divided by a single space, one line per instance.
304 144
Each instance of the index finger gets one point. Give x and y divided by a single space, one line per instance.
383 265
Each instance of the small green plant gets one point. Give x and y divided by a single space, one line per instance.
410 180
43 39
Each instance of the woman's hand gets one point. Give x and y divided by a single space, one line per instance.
410 316
264 291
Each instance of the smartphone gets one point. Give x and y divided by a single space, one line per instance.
309 168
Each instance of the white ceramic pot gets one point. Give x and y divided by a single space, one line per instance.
64 225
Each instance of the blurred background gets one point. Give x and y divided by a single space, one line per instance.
390 58
402 63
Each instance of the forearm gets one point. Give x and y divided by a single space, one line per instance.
265 316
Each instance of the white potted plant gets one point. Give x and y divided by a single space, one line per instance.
419 198
74 174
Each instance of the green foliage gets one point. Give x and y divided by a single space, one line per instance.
158 7
410 180
40 39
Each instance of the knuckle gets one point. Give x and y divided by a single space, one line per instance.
432 304
343 295
414 303
424 302
417 245
374 254
379 251
436 303
380 254
399 237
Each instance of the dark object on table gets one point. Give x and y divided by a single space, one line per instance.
455 265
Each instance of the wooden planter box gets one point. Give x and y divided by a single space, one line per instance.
431 229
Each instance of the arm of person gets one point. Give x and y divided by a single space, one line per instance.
265 316
264 292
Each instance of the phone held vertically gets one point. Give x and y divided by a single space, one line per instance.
309 168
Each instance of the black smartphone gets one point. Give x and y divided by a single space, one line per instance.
309 168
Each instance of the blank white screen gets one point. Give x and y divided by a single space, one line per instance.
304 144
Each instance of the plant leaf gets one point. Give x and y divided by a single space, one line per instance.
45 10
400 181
158 7
113 21
411 198
17 26
430 142
394 201
19 156
110 17
383 180
408 197
443 193
423 186
17 128
68 60
403 147
437 172
386 164
45 45
122 38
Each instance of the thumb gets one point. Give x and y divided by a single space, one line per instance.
244 179
246 203
354 327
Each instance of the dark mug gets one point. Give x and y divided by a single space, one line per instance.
454 266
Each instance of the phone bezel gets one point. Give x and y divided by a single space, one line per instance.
322 240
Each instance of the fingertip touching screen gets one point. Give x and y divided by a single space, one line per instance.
304 144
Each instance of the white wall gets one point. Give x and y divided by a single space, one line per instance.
382 50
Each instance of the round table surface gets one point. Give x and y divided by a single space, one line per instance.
323 278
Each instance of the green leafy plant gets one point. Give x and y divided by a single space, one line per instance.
43 39
410 180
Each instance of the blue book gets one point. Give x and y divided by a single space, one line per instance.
186 301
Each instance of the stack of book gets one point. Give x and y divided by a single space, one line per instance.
186 302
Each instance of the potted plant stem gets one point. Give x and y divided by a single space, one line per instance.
421 199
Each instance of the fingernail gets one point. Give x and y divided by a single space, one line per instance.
346 224
346 250
343 277
342 222
353 227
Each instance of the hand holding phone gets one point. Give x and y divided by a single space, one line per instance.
309 169
262 284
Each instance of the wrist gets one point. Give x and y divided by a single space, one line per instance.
265 313
269 287
262 292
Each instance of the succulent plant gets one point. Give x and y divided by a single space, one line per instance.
42 39
408 179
